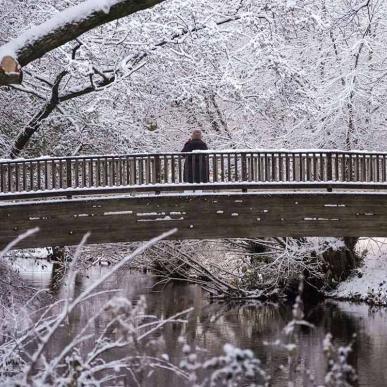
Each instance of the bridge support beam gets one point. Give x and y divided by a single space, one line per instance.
201 216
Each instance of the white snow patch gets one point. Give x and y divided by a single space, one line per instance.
372 275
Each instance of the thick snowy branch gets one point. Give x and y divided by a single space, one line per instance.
61 29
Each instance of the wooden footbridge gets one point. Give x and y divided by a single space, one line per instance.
248 194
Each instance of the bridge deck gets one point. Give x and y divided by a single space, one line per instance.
249 194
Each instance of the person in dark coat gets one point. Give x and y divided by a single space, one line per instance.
196 166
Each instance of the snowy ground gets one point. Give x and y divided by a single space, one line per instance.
370 281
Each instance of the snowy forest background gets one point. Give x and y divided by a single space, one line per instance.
249 73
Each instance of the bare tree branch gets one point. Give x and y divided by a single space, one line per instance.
33 125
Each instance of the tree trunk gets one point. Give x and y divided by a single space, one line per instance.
341 262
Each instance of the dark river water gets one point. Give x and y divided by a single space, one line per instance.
248 325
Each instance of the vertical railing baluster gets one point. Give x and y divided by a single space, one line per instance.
147 170
280 167
68 173
243 167
113 171
39 176
287 167
53 173
229 167
302 169
91 171
337 169
273 167
104 171
60 173
166 170
24 176
83 172
294 169
2 178
314 155
135 170
309 167
222 166
119 167
236 167
251 167
266 167
344 168
127 170
329 166
76 171
9 170
323 166
180 169
98 172
45 175
16 177
173 169
366 167
139 169
214 168
350 172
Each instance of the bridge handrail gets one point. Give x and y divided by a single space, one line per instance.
210 151
349 187
213 166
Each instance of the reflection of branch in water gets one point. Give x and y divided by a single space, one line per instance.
57 277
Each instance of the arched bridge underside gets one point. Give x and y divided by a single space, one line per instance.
247 194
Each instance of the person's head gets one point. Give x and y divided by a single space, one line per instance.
196 134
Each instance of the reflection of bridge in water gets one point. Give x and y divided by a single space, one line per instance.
249 194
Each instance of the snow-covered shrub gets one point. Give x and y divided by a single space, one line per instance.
377 297
234 368
277 263
340 372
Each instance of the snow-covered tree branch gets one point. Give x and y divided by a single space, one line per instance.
62 28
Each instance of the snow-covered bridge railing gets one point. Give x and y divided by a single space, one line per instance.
228 167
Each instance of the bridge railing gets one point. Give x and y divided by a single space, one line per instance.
174 168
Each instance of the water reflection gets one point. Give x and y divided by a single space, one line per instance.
212 324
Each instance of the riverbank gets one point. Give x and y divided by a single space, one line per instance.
369 282
202 266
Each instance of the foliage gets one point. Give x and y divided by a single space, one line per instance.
249 73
